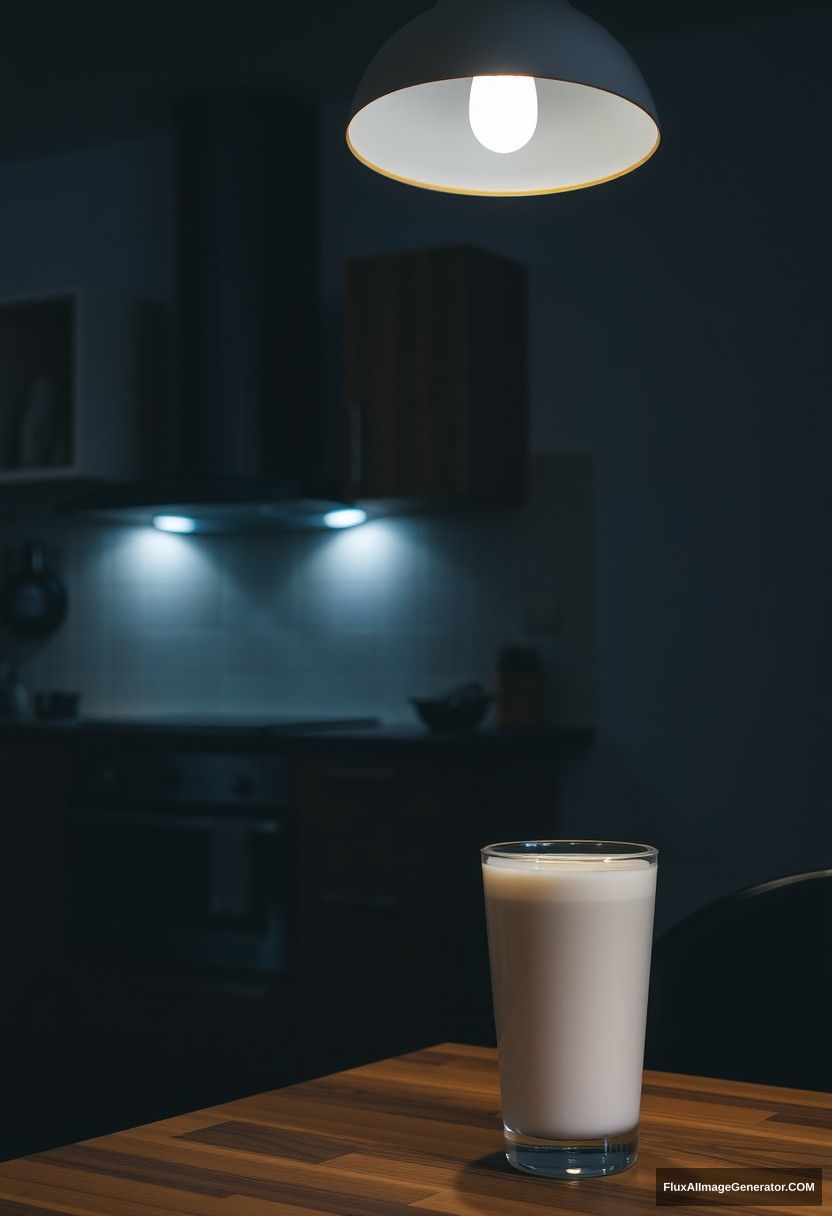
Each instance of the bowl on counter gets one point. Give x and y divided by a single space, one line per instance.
452 715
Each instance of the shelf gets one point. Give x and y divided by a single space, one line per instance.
36 385
80 373
39 474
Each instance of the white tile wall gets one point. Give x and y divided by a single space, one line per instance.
348 622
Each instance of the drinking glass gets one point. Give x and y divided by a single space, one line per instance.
570 926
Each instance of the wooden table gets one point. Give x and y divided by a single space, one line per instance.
416 1134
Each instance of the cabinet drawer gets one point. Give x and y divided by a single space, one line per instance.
367 820
371 969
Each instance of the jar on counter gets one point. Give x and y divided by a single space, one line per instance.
518 700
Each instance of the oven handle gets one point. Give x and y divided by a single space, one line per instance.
201 823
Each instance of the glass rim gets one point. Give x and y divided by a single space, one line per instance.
537 850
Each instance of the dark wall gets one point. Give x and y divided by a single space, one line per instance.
100 216
680 323
679 327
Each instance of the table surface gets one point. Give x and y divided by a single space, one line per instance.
417 1134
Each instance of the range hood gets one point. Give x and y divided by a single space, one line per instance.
240 449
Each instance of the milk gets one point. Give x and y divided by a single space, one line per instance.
570 963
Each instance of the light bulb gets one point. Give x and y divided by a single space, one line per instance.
502 111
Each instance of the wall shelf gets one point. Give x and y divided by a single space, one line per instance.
81 372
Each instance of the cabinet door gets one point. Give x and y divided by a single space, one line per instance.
436 377
31 882
392 920
482 804
367 819
215 1031
371 966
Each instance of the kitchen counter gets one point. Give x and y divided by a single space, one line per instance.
417 1133
338 832
539 743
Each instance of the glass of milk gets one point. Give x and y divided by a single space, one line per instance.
570 927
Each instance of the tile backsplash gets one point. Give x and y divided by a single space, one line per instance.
349 622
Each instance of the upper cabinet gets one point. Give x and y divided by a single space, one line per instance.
436 379
81 372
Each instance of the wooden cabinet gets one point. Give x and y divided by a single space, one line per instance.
80 372
386 929
370 910
371 975
393 952
436 382
31 878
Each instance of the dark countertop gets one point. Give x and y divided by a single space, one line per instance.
399 739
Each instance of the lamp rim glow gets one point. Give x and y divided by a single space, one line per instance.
507 193
181 524
345 517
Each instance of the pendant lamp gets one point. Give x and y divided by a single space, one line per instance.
503 97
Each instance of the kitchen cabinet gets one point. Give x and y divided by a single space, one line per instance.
370 908
127 1039
82 374
31 878
393 951
436 380
31 916
370 974
385 928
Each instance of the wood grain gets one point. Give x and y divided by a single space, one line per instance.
435 377
416 1134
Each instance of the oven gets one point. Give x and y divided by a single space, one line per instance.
180 860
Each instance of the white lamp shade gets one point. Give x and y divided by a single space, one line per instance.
410 120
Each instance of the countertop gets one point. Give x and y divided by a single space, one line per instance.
539 743
420 1133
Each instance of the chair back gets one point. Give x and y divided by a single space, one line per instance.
742 988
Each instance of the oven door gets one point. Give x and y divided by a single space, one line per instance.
184 887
